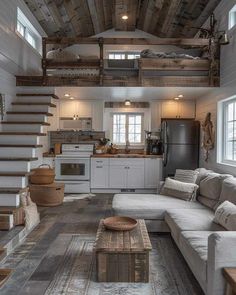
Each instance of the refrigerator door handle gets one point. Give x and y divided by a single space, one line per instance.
165 156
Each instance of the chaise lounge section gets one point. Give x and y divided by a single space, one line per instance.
206 246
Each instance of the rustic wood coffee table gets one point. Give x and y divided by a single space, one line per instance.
123 256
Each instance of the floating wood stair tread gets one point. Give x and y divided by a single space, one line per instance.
29 113
22 145
38 95
22 133
23 159
25 123
14 174
6 190
52 105
4 275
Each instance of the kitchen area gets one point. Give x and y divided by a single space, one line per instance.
80 144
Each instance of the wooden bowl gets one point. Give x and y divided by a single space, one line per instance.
121 223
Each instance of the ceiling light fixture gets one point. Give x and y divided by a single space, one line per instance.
176 98
180 96
66 94
124 17
72 97
127 102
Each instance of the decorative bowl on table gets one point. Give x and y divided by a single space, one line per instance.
120 223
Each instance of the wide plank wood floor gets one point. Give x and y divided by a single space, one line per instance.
32 273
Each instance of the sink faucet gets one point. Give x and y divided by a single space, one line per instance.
127 150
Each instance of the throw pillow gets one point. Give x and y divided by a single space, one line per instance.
189 176
225 215
180 190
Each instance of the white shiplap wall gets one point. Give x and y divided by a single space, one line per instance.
208 103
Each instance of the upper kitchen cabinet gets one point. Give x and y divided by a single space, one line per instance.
68 108
184 109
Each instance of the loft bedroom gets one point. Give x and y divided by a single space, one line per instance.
125 45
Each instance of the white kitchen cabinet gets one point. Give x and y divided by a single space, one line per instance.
178 109
68 108
153 172
118 176
99 173
135 177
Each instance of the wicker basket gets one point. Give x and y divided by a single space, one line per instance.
47 195
42 175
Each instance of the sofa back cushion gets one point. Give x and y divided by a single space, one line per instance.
202 173
178 189
228 192
225 215
210 189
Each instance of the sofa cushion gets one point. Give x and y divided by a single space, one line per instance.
189 176
212 204
202 173
148 206
194 247
210 188
228 192
179 189
190 220
225 215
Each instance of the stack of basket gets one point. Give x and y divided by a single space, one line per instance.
43 190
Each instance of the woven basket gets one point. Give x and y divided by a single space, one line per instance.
121 223
42 175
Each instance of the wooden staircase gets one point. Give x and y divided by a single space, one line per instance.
20 144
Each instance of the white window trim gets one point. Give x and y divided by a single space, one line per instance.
221 132
28 29
140 144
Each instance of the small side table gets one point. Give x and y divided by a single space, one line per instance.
230 276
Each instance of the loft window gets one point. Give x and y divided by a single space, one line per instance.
123 55
232 17
27 31
127 127
227 132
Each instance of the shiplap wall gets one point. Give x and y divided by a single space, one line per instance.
16 55
208 103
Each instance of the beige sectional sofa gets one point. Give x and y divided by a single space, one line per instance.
206 246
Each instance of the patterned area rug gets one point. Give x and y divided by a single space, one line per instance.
76 274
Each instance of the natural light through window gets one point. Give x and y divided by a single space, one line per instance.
232 17
27 31
123 55
127 127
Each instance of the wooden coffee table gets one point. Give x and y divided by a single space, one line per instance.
123 256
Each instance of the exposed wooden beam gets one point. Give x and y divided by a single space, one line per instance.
72 17
130 41
108 10
97 15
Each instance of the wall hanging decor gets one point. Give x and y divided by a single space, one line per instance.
208 141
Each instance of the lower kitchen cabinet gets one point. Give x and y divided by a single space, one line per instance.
126 173
99 173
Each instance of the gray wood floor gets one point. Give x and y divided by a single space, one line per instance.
32 272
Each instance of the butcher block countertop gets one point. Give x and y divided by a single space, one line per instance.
130 155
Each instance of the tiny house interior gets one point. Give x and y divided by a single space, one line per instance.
117 147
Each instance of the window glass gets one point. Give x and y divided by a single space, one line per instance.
232 17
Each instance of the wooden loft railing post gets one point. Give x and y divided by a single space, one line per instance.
140 72
44 66
101 68
214 67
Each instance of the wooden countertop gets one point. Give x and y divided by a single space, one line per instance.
130 155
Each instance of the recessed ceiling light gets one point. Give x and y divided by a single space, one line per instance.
180 96
72 97
124 17
176 98
127 102
66 94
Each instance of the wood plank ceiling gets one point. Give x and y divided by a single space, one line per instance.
163 18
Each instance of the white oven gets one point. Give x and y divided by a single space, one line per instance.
73 167
68 168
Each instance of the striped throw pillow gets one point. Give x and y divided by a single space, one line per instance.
187 176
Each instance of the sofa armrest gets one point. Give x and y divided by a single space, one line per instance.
221 253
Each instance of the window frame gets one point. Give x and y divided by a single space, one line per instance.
232 18
29 32
127 115
222 131
124 53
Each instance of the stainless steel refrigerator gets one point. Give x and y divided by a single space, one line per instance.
180 140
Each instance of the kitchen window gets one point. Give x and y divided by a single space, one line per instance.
227 132
127 127
27 31
123 55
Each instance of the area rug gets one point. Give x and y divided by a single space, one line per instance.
76 274
75 197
